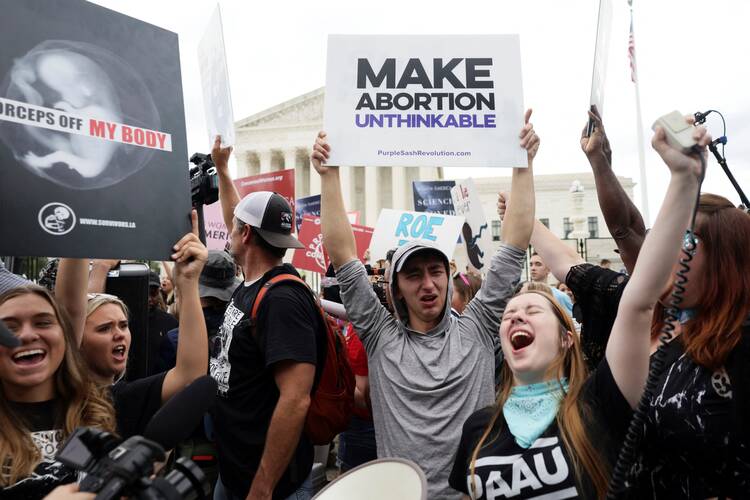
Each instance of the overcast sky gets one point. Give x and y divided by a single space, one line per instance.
692 55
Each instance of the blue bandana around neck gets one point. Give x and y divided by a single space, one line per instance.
530 409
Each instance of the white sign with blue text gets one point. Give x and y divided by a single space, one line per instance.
424 100
397 227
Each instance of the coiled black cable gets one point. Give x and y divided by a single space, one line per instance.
629 447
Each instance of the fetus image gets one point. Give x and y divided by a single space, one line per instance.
58 221
87 81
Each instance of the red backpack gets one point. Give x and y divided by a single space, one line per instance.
332 402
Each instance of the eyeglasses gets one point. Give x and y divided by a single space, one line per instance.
690 242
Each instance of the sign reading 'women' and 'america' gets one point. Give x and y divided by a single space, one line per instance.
413 100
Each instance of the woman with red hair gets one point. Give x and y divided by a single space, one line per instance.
700 407
696 442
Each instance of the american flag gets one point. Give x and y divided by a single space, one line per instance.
631 45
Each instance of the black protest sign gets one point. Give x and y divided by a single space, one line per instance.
93 154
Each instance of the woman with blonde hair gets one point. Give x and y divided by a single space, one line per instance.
45 393
47 388
106 338
555 428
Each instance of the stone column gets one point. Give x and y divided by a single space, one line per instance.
398 189
426 173
290 161
290 158
371 196
265 157
241 162
244 164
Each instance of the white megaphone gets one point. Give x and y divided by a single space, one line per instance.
385 478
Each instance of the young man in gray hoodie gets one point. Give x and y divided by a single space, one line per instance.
428 371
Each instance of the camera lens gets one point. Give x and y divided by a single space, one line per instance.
188 480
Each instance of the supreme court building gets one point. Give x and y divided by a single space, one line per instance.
281 137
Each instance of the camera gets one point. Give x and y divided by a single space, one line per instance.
375 271
379 288
115 469
204 187
204 180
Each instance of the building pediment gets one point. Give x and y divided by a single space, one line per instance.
306 109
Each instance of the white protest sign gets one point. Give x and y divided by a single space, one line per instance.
601 54
475 232
396 227
416 100
217 99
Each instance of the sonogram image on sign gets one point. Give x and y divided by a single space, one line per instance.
77 85
93 150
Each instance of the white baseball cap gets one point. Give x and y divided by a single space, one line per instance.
271 215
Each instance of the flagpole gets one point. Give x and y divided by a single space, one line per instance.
639 125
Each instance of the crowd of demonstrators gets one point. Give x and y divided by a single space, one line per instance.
700 396
356 445
159 322
266 369
8 280
465 287
216 285
65 372
167 287
567 291
428 371
550 410
624 221
423 345
539 273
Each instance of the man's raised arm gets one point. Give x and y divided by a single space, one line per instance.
505 268
70 292
519 218
557 256
337 232
228 195
623 219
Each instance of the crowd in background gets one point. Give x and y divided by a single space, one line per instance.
494 387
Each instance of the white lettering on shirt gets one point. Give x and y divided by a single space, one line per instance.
524 478
220 366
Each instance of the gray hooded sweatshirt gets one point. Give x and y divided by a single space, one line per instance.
424 386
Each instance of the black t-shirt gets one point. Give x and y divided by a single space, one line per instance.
159 323
288 328
214 317
44 420
597 291
505 470
689 449
135 403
